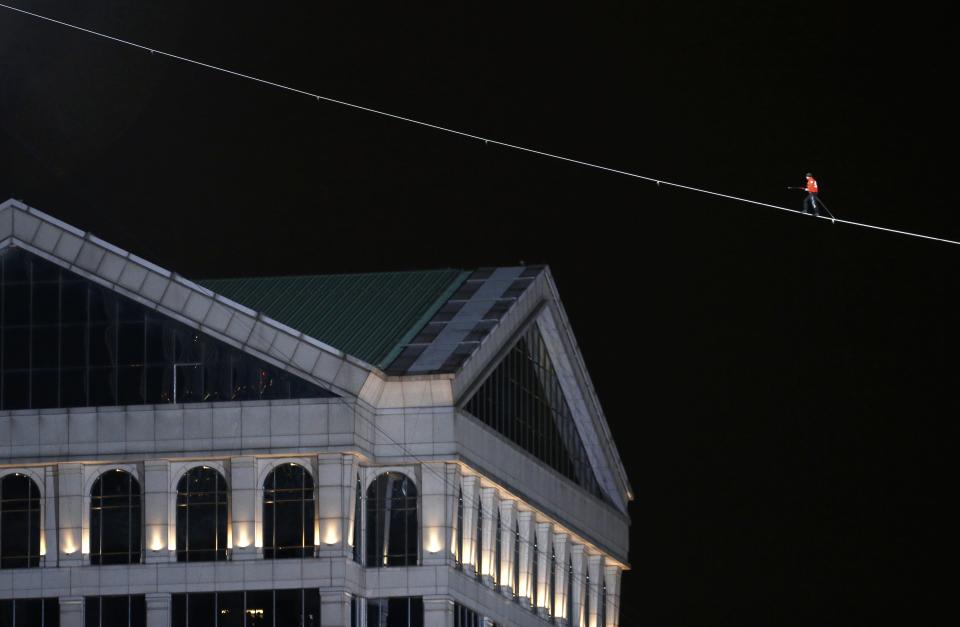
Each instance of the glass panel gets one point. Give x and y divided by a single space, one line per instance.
19 522
29 613
117 351
522 399
288 513
201 609
259 610
392 525
201 516
230 609
178 610
115 519
289 607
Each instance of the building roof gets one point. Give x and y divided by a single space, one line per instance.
418 322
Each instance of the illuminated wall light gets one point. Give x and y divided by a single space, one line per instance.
43 543
85 542
316 533
258 535
332 536
229 536
157 543
68 545
243 538
433 541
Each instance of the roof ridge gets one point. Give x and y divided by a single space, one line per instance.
331 275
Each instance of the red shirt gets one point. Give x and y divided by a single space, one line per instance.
811 185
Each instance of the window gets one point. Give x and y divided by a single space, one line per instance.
202 516
19 522
465 617
115 519
586 600
569 614
534 573
115 611
357 513
288 513
478 543
516 560
30 612
498 551
553 583
603 605
68 342
255 608
459 543
522 399
392 521
395 612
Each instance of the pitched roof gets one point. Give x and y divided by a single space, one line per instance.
418 322
365 315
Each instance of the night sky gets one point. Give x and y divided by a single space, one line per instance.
783 391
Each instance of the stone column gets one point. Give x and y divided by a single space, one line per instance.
611 576
561 542
544 551
70 497
243 504
335 481
508 513
434 528
49 541
158 609
71 611
489 504
595 570
579 585
437 612
160 538
525 565
335 609
470 559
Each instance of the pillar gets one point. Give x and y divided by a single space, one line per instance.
435 529
561 542
437 611
71 611
489 505
50 539
579 585
243 504
70 497
158 609
527 524
595 570
335 609
336 481
470 559
611 576
160 539
508 514
544 551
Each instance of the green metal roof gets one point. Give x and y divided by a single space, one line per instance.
369 316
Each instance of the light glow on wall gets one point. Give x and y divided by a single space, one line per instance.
67 544
85 542
157 543
43 543
434 545
332 535
243 536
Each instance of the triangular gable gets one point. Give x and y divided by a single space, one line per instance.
540 309
184 301
523 399
70 342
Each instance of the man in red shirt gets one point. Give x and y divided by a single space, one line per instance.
810 202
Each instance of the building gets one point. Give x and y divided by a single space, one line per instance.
393 449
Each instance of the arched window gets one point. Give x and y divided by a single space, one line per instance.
115 519
392 521
288 513
19 522
357 513
202 516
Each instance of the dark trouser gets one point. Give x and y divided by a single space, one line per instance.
810 204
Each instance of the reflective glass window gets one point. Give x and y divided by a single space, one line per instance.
201 516
115 611
253 608
68 342
19 522
30 612
523 400
465 617
115 520
392 521
395 612
288 513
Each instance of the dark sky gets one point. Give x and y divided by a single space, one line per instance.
783 390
